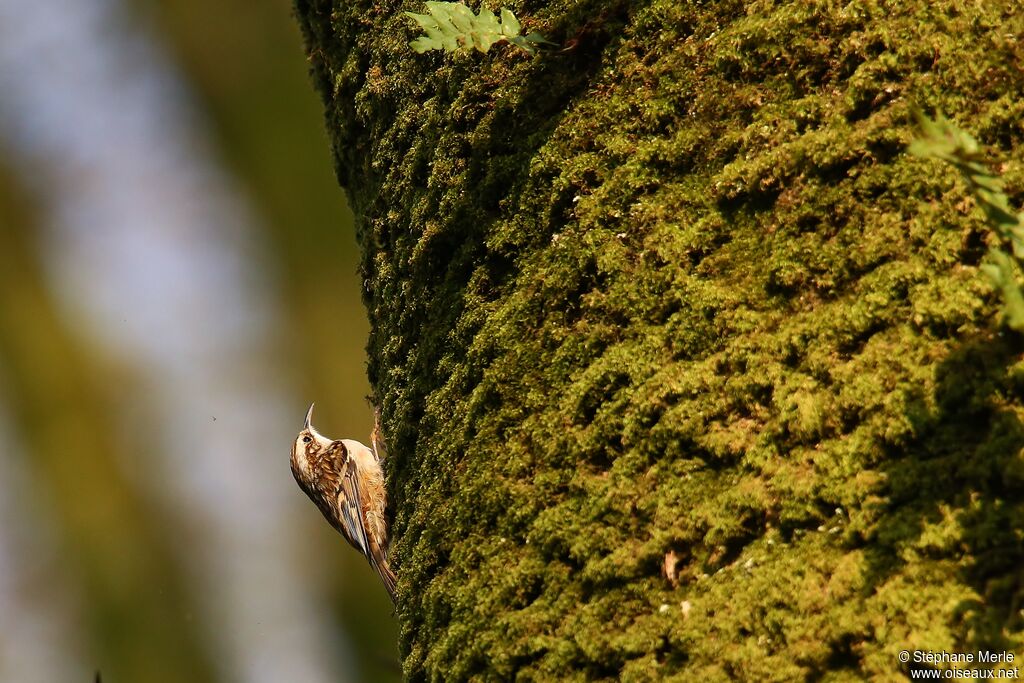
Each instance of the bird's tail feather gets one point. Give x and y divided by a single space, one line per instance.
386 575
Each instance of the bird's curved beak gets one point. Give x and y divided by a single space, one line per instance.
309 416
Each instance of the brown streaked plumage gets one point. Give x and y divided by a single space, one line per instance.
345 480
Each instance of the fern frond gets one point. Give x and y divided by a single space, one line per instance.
451 26
942 139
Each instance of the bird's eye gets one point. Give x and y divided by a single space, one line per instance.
307 439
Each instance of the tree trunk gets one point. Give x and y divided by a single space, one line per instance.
687 368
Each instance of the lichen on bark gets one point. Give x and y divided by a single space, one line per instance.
678 288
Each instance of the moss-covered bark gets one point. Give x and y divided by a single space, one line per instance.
677 296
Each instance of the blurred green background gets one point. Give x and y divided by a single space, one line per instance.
177 282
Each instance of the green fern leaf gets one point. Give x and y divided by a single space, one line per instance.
451 26
941 139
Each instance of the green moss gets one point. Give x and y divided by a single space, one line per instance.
679 289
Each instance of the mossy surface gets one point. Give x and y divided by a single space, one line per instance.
679 292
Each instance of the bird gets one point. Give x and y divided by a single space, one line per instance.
344 479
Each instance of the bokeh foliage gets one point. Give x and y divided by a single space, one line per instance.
119 552
678 295
246 62
135 609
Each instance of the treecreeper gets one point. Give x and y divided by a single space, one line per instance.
345 480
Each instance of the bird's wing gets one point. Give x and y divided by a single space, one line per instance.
349 501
